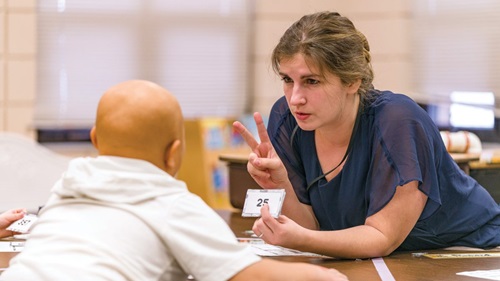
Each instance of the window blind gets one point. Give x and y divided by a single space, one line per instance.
197 49
455 47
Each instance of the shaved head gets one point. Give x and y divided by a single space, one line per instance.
139 119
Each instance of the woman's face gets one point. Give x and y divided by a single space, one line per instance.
315 100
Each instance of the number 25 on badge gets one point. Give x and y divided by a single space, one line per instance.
256 198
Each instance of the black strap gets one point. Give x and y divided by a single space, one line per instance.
349 147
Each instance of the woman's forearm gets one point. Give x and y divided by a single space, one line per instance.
297 211
357 242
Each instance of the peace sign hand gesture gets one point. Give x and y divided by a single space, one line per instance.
264 165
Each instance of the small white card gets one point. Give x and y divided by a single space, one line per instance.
23 225
256 198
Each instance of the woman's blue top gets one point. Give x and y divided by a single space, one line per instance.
395 142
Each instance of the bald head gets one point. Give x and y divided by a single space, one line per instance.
139 119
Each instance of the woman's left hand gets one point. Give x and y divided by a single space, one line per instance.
7 218
280 231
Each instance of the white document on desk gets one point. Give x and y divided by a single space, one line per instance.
485 274
267 250
261 248
11 246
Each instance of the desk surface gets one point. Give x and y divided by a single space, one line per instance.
465 157
234 158
5 258
402 265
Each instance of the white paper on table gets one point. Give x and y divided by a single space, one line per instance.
267 250
261 248
493 274
11 246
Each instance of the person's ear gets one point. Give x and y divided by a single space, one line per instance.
93 137
172 157
353 87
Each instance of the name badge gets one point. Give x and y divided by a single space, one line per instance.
256 198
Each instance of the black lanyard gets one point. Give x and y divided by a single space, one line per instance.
349 147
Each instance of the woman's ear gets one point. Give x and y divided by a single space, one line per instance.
93 137
353 87
173 156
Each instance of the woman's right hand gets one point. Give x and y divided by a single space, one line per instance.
264 165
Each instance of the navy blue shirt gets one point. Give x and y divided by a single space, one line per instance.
395 142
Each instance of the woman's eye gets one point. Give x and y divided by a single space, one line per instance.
312 81
286 79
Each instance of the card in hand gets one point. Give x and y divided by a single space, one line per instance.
256 198
23 225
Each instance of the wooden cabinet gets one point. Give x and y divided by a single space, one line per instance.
487 175
239 178
202 170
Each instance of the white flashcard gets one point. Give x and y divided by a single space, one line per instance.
23 225
256 198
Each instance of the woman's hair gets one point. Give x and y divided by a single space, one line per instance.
332 43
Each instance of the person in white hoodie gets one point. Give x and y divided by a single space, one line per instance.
124 216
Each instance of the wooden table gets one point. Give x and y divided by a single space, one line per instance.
5 258
402 265
463 160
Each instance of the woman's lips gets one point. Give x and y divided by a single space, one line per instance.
301 116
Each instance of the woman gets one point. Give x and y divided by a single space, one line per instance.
366 171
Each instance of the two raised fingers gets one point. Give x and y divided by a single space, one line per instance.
248 137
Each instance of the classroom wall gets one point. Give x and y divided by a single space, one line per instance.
384 22
17 65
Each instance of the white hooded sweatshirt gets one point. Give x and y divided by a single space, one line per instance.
114 218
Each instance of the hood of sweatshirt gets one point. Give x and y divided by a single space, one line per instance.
116 180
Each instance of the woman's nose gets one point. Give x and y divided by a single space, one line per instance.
297 96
